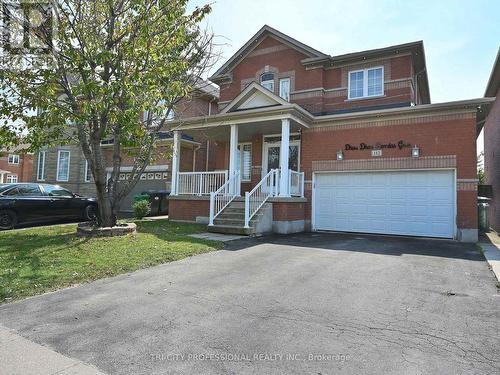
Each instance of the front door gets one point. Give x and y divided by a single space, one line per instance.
272 149
272 157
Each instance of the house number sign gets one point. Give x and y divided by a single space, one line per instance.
377 146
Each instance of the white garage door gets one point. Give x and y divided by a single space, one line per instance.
417 203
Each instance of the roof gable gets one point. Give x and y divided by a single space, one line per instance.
256 40
254 96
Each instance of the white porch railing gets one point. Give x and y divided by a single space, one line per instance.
266 188
223 196
296 180
200 183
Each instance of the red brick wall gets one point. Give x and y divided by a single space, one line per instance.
287 211
440 137
23 170
286 62
188 210
492 160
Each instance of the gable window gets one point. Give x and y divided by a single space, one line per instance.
40 172
63 158
171 115
12 178
244 161
13 159
88 172
267 81
285 89
366 83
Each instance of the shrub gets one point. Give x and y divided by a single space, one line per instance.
141 208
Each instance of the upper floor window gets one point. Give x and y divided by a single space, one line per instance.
13 159
40 172
267 81
366 83
285 89
63 159
88 172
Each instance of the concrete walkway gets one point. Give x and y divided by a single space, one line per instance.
19 356
491 250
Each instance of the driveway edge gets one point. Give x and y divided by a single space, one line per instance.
491 251
20 356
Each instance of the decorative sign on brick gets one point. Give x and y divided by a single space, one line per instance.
377 146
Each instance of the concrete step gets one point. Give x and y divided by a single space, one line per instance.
231 229
233 222
232 214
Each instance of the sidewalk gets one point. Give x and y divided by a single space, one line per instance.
19 356
490 244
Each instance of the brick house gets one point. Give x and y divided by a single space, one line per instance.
15 165
308 141
67 166
492 144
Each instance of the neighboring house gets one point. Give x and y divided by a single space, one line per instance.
66 165
492 144
337 143
16 165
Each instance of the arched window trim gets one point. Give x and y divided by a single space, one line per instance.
267 81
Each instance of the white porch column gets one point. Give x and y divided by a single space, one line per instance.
284 155
233 149
176 153
1 178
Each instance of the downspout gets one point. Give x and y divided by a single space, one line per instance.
417 92
194 156
208 153
208 142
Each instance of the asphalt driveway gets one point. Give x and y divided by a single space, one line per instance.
302 304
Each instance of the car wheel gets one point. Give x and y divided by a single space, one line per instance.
90 213
8 219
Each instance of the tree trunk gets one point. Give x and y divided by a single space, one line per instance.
107 215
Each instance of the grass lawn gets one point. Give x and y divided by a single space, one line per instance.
37 260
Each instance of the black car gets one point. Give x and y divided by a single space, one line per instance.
30 202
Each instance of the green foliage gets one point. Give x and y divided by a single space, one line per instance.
141 208
480 169
113 62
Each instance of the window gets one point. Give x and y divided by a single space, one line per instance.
88 172
12 178
267 81
285 88
366 83
57 191
13 159
157 116
245 161
26 191
63 159
40 172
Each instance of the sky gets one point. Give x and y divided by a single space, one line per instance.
461 38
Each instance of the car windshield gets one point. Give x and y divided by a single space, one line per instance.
4 187
57 191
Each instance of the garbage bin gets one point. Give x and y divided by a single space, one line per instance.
141 197
158 200
482 213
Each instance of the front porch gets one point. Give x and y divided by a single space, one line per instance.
256 182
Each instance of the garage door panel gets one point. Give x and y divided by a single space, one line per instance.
408 203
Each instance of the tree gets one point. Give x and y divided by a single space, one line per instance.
480 168
114 70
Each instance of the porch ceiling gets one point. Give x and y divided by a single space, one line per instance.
245 131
